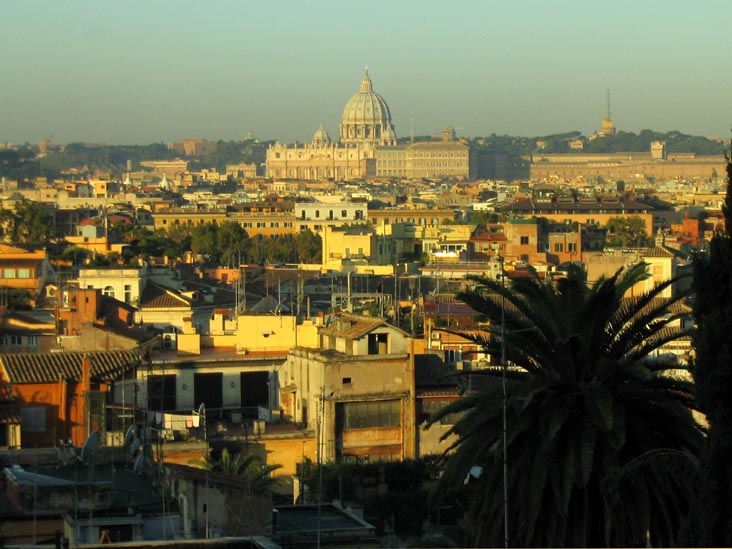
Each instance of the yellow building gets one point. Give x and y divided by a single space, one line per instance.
427 160
586 211
350 243
269 219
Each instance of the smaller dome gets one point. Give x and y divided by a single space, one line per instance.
321 137
389 137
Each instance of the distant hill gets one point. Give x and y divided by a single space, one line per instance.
620 142
115 157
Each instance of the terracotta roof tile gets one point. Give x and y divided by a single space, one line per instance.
351 326
157 297
49 367
9 413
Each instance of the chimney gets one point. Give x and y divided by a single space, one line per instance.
86 374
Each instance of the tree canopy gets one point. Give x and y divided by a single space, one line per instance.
601 444
627 232
713 374
248 466
29 223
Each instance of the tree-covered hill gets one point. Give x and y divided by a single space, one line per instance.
115 157
676 142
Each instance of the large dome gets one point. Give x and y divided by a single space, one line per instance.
366 118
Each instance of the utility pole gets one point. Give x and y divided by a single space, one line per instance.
321 445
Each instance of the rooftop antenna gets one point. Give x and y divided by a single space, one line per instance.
608 104
411 130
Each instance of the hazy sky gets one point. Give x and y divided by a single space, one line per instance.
132 71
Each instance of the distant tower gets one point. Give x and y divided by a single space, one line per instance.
608 128
658 150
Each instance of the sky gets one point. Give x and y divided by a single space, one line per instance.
143 71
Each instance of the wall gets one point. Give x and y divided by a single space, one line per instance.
234 508
64 405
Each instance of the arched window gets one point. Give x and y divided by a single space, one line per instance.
108 291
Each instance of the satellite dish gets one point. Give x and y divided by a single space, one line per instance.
90 447
130 435
139 464
135 446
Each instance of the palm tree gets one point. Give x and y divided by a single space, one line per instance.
249 466
601 443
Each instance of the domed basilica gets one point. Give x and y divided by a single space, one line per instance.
367 147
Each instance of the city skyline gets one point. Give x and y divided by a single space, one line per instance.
136 73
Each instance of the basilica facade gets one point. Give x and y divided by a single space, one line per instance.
367 147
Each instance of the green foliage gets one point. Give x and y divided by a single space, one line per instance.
233 152
76 155
16 299
713 375
627 232
601 442
29 223
620 142
18 164
308 246
389 491
486 217
676 142
228 243
248 466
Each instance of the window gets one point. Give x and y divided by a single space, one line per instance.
16 341
378 344
33 419
571 247
428 409
128 293
344 213
453 355
367 415
346 381
8 273
161 392
24 273
524 240
558 247
108 291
